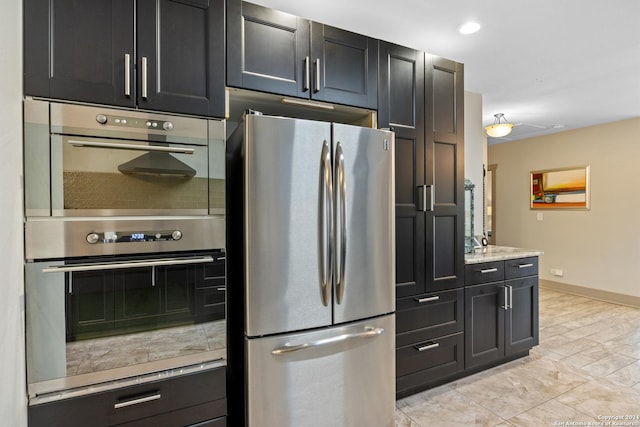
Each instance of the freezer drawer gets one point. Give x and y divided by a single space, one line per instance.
340 376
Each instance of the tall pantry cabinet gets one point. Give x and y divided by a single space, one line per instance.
421 98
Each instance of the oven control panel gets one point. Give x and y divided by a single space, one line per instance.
134 122
129 237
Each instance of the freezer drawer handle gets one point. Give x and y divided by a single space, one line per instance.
525 265
487 270
369 332
429 346
132 402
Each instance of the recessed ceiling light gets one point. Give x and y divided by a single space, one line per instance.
469 28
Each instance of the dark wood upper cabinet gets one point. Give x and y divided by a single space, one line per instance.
161 55
444 89
273 51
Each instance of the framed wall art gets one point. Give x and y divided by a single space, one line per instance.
565 188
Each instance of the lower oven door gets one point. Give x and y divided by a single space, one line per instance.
91 321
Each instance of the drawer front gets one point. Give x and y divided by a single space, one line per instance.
99 409
439 358
485 272
193 416
429 316
521 267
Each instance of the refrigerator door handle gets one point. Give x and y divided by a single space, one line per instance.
369 332
340 221
325 224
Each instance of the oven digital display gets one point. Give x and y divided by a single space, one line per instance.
129 237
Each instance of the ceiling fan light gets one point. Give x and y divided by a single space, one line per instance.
497 131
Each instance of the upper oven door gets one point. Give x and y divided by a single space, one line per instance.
93 161
105 177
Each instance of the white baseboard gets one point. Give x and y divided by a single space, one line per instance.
596 294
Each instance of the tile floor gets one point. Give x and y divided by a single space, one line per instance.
585 372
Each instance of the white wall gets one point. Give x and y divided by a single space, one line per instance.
13 403
598 248
475 152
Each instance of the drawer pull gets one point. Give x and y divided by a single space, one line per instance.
428 346
487 270
137 401
427 299
525 265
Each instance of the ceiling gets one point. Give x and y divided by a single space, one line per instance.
548 65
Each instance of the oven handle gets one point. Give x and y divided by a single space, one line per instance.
116 265
95 144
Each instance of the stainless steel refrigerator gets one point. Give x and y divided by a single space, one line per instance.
311 274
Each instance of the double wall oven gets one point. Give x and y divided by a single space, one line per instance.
124 246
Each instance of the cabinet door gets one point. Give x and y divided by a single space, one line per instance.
344 67
401 100
76 50
444 89
521 326
484 323
267 50
90 310
181 56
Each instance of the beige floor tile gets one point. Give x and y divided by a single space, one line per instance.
628 376
551 413
608 365
448 408
599 399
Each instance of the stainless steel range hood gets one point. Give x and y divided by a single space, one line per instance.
157 163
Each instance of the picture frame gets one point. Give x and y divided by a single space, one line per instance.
562 188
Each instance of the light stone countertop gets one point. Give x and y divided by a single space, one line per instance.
498 253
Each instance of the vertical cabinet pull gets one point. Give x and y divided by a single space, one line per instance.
316 87
425 198
144 77
305 83
127 74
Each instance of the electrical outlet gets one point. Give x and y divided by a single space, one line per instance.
557 272
540 216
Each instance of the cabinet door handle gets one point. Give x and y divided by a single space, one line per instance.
506 298
487 270
525 265
316 87
127 74
429 346
305 83
144 77
425 198
137 401
510 297
427 299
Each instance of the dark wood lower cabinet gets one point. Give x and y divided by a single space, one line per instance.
501 303
196 399
442 336
429 340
